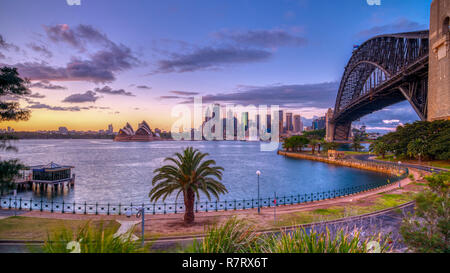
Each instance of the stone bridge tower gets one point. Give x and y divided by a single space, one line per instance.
439 62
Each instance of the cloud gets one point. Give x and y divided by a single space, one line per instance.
7 46
99 67
77 36
183 93
89 96
210 58
57 108
400 25
389 118
262 38
391 121
41 49
36 96
143 87
108 90
47 85
171 97
2 56
320 95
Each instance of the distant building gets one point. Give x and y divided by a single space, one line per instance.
319 123
289 124
110 129
269 123
280 122
63 130
143 133
298 124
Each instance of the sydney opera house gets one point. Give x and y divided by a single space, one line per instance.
143 133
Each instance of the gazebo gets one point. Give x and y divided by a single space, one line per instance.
52 174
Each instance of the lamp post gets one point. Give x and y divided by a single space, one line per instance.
141 214
258 173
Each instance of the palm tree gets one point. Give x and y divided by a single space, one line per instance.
313 143
379 147
189 174
417 148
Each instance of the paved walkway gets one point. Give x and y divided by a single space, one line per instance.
125 226
368 157
5 213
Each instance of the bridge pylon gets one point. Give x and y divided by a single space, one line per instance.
439 61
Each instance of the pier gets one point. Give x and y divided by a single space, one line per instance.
51 177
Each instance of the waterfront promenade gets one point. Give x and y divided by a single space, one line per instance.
171 224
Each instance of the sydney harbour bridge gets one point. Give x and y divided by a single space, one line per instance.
383 71
387 69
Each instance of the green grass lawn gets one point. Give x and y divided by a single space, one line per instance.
355 153
384 201
28 228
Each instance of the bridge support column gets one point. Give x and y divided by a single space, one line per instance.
342 131
439 61
329 137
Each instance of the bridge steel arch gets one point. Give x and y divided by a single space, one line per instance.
383 71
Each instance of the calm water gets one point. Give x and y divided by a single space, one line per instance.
114 172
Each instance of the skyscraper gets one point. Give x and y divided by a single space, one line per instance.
280 122
289 125
110 129
298 124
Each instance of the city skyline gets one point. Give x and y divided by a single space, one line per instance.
89 70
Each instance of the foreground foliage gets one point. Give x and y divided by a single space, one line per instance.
91 239
11 86
428 229
236 236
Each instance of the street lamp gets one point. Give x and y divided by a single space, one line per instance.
258 173
141 214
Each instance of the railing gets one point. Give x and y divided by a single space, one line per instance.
178 207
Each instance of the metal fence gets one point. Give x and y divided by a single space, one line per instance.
178 207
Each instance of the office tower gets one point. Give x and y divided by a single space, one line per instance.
298 124
280 122
289 126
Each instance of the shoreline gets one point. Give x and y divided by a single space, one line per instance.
375 167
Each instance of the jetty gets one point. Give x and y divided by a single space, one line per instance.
52 177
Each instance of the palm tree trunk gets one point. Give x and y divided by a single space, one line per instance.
189 198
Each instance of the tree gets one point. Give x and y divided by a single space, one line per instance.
298 142
330 146
11 85
379 147
313 143
435 134
356 145
287 144
189 174
417 148
317 134
428 229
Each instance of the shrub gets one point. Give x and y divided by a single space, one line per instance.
428 229
89 239
235 236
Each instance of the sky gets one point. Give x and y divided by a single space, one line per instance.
111 62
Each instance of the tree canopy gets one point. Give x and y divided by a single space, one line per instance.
429 140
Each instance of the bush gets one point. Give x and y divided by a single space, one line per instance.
428 229
89 239
235 236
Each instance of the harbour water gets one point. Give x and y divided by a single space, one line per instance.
115 172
